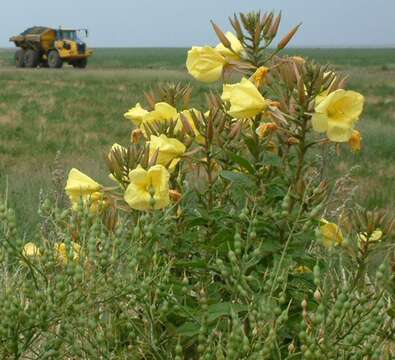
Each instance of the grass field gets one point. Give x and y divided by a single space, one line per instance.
79 113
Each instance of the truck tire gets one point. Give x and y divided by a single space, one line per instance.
32 58
20 58
54 60
80 64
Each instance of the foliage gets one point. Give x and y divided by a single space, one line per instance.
217 249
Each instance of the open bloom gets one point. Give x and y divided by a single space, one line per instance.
62 252
31 250
161 113
244 98
136 114
205 63
169 150
235 44
337 114
148 189
331 234
355 141
81 187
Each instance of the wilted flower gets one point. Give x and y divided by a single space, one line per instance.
331 234
337 114
355 141
169 150
62 252
148 189
175 195
136 136
81 187
259 76
31 250
136 114
205 63
244 98
266 129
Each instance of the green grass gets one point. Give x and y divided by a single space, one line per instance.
79 113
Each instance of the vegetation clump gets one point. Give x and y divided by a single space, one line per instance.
221 235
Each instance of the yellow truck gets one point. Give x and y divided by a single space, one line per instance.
48 47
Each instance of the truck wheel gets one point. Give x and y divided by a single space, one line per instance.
20 58
54 60
32 58
80 64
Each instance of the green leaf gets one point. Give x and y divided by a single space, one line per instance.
237 178
252 146
188 329
272 159
192 264
244 163
223 309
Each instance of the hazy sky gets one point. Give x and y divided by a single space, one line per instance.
186 22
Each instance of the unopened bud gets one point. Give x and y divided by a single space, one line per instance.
304 304
291 347
287 38
317 295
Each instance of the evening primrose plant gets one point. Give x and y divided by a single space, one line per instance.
219 234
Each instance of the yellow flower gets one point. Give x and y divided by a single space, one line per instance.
331 234
62 252
235 44
162 112
337 114
170 150
244 98
81 187
136 114
355 141
31 250
258 77
302 269
374 237
205 63
148 188
187 114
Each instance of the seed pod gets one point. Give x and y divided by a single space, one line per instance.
221 36
287 38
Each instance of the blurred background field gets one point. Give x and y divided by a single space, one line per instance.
79 113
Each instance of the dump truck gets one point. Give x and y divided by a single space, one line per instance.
47 47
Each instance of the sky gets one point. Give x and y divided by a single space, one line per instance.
183 23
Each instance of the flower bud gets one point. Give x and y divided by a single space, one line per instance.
317 295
